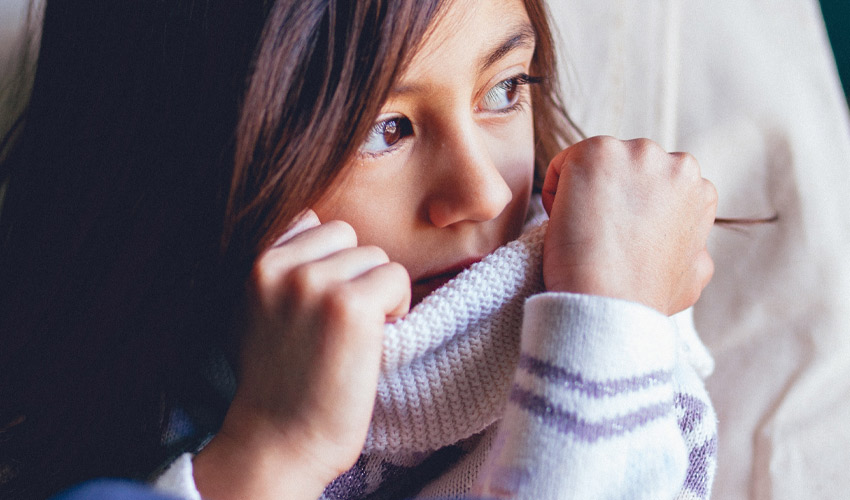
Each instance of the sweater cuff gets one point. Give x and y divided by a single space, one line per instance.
600 337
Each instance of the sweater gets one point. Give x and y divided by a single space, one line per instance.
557 395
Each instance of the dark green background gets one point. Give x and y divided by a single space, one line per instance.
837 16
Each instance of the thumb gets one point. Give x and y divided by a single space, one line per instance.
550 183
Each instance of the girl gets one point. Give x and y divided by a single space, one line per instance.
380 148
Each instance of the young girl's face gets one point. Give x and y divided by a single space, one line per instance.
445 175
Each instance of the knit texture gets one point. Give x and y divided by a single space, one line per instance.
447 366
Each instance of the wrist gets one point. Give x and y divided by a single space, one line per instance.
610 285
251 457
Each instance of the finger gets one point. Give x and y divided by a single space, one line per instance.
388 287
311 244
347 264
304 221
310 280
550 182
272 270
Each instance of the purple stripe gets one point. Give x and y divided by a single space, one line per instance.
569 423
699 474
690 410
349 485
575 382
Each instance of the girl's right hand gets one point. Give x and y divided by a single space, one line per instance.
309 369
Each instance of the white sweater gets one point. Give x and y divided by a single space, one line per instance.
604 405
561 395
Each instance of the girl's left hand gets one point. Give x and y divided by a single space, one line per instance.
628 220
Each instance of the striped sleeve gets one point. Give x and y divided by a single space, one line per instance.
593 408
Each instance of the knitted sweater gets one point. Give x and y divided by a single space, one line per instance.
485 393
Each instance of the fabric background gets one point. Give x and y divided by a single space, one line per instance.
750 88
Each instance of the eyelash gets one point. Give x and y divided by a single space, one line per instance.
519 80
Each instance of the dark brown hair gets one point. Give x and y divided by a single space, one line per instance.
322 72
164 145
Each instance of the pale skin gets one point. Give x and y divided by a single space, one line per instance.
445 179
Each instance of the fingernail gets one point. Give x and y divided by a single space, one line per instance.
304 221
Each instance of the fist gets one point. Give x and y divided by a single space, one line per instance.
630 221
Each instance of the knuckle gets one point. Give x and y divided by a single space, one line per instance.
303 282
643 147
600 140
601 143
684 157
642 143
595 154
399 271
342 304
395 277
648 157
686 164
375 254
344 231
268 272
689 159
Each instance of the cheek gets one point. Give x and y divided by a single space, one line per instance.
512 149
354 202
376 201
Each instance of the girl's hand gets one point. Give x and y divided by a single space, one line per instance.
310 360
629 221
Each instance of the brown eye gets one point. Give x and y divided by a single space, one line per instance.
387 133
392 132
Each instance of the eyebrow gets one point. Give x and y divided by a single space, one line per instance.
523 36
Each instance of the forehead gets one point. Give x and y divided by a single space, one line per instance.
470 34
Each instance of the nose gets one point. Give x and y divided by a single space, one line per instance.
467 184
